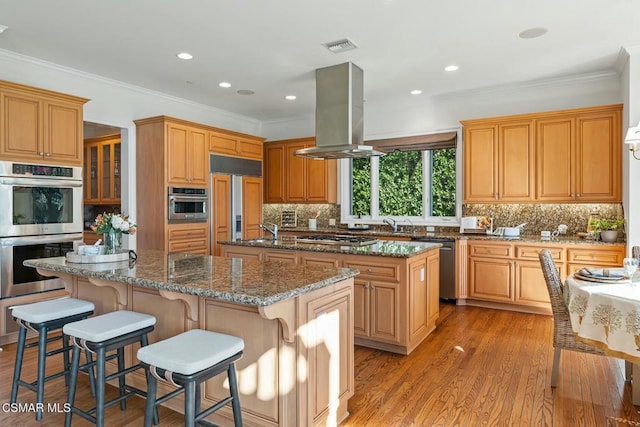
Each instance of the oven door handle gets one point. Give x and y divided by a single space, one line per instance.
39 240
40 182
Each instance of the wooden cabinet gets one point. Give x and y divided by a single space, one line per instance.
594 256
102 163
499 162
40 126
251 207
545 157
396 300
192 238
293 179
491 271
187 154
231 144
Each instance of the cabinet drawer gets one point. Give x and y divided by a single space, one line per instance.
531 252
187 233
198 246
386 272
491 250
595 256
250 149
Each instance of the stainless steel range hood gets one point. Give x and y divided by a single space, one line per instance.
339 102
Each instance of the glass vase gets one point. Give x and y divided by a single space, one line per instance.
112 242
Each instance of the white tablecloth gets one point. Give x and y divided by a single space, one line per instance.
606 315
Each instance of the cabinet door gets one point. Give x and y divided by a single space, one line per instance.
21 126
251 207
598 148
530 286
177 154
117 170
198 157
321 181
249 149
481 164
385 311
361 304
418 299
106 166
433 288
91 174
296 170
63 132
516 162
220 210
491 279
274 173
555 142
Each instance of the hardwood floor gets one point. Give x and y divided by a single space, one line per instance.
480 367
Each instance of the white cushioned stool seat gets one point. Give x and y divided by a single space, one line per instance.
45 311
110 325
191 351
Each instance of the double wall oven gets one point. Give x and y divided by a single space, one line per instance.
41 217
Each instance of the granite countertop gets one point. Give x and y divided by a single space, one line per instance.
247 282
385 248
526 238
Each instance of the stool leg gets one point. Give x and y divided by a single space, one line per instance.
121 379
17 369
150 411
144 340
65 359
100 372
235 403
73 379
189 404
42 350
91 372
197 400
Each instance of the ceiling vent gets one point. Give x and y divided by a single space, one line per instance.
341 45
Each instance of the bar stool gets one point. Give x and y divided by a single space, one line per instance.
99 335
44 317
187 360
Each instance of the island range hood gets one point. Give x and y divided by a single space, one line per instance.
339 112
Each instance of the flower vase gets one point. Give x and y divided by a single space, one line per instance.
112 242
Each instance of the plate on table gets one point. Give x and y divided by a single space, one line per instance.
602 275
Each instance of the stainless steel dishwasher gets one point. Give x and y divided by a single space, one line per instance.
447 265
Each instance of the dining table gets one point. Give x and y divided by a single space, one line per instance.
604 308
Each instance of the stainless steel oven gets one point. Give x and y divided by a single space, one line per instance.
40 199
15 278
187 204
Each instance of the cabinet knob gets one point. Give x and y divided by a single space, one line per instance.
368 270
41 153
47 154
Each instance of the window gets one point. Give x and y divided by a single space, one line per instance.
419 184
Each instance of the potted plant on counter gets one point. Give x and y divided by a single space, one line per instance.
608 228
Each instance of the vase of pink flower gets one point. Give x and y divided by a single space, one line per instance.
112 226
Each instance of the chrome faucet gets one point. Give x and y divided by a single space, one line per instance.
273 230
391 223
413 227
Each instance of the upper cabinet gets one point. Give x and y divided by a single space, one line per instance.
231 144
188 155
500 164
545 157
293 179
102 162
40 126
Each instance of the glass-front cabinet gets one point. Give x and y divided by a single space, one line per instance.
102 161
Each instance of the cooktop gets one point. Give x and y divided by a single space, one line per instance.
337 239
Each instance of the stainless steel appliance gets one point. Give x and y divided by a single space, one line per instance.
187 204
447 265
341 240
16 279
40 199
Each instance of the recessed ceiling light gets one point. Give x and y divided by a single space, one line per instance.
245 92
415 92
451 68
184 55
3 28
224 84
532 33
290 97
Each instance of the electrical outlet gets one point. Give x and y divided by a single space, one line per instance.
332 222
430 229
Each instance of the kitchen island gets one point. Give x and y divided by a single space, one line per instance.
296 321
396 294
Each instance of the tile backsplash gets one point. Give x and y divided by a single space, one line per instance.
323 212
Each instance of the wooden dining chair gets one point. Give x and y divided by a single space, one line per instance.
563 337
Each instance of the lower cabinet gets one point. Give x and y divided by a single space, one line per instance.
396 300
510 273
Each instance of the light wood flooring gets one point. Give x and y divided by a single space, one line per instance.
480 367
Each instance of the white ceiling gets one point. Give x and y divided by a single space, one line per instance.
272 47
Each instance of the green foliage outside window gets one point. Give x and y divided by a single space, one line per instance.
400 184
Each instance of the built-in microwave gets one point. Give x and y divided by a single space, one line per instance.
187 204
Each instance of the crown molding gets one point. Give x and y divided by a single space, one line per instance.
111 82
